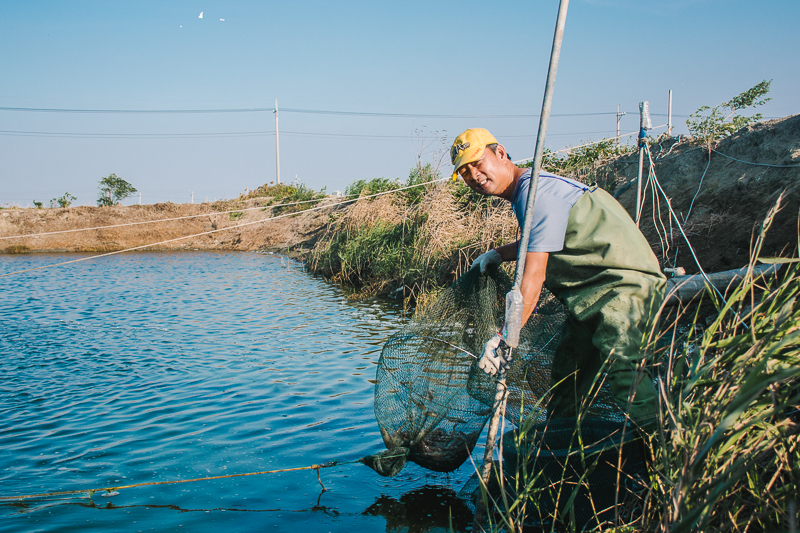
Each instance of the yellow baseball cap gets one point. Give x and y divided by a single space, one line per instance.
468 147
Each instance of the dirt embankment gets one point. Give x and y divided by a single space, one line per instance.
291 234
732 200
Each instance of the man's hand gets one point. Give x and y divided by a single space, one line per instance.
484 260
496 354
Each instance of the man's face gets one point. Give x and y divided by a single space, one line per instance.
488 175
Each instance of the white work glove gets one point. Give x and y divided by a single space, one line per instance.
495 357
484 260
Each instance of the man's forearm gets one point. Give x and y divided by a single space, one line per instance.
508 251
532 278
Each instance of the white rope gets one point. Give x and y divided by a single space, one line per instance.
213 213
698 189
158 220
680 227
221 229
756 164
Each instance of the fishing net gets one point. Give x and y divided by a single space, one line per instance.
431 399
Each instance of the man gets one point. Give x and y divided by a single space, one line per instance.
589 253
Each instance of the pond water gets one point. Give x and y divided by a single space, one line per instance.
173 366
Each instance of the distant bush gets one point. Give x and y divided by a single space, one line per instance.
113 190
373 186
708 125
63 201
287 194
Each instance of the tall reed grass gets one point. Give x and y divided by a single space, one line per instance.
410 244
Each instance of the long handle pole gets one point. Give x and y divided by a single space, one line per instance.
669 114
277 148
500 390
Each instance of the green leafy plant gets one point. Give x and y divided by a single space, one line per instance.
299 195
113 190
62 201
373 186
38 204
236 215
418 175
710 124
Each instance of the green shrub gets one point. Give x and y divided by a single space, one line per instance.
113 190
63 201
373 186
708 125
287 194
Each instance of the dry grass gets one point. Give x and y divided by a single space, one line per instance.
389 244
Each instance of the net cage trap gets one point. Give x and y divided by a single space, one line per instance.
432 400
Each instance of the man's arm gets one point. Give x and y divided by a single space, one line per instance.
532 279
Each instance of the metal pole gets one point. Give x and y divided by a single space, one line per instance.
669 114
639 182
644 125
619 115
277 148
500 391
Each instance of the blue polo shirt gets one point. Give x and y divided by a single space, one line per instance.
555 197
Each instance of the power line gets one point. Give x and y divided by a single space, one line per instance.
285 110
88 135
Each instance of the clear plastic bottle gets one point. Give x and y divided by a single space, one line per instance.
513 318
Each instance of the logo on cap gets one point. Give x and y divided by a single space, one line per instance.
455 149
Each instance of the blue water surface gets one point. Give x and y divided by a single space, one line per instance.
149 367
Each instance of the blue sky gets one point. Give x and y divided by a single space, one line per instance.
463 58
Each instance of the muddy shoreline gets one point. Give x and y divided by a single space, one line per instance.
208 226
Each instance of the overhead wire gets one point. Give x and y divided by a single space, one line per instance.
91 135
286 110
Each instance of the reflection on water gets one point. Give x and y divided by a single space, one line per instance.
154 367
423 509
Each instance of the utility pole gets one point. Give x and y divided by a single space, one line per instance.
619 115
669 115
644 125
277 148
192 196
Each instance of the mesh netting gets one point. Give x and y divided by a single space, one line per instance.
431 399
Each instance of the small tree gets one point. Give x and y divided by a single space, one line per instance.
113 190
37 204
708 125
62 201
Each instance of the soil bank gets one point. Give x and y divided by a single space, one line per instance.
291 235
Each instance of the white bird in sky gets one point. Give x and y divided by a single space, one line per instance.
200 15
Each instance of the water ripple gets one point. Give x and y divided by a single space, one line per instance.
156 366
